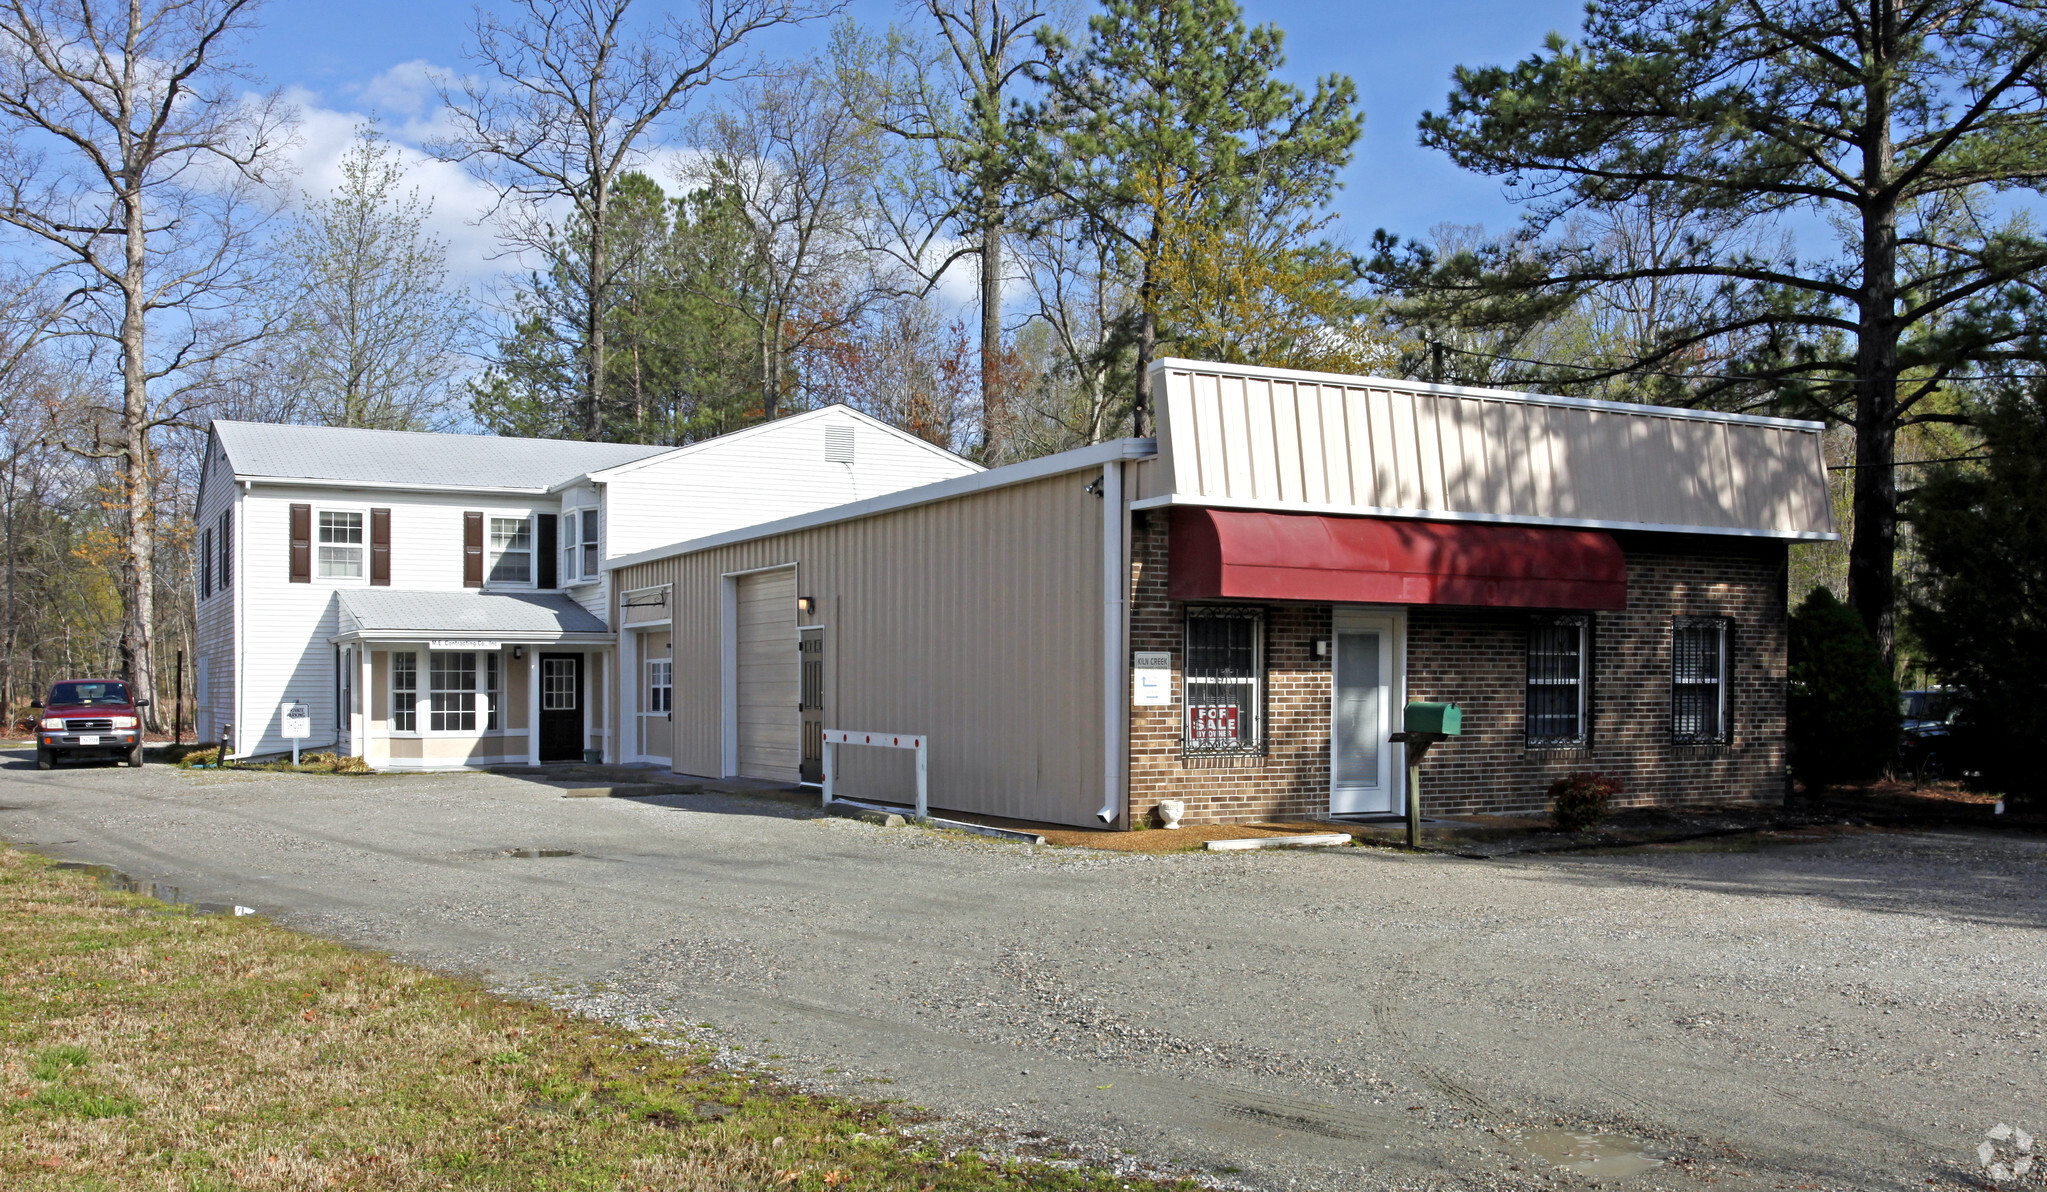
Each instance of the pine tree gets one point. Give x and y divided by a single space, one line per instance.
1172 112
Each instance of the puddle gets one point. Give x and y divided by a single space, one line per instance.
530 853
114 879
1598 1156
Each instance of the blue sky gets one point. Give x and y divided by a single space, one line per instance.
343 60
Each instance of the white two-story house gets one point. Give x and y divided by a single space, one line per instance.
440 600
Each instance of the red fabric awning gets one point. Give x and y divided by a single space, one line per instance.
1368 560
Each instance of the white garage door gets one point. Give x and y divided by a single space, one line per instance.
768 718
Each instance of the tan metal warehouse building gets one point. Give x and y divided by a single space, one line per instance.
1234 613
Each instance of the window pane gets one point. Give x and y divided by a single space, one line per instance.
1698 679
452 695
1359 714
590 544
1224 686
557 684
405 692
341 527
1556 670
343 562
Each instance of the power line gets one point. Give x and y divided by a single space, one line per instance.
1438 348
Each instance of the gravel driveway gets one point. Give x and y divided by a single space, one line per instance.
1851 1012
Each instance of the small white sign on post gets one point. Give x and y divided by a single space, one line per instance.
1151 679
835 737
298 725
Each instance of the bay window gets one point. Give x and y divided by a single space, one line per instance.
462 691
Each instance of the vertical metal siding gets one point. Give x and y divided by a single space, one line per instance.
975 620
1244 434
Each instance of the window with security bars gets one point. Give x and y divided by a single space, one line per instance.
404 692
1559 662
1225 680
462 691
1698 680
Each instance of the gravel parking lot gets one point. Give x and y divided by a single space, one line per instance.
1853 1011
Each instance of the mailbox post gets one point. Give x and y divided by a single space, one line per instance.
1422 725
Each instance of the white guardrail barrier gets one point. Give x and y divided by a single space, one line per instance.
835 737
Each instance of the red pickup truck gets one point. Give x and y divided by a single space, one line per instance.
89 718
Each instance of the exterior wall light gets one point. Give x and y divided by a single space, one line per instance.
518 651
807 605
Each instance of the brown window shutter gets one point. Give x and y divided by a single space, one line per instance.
472 550
380 548
302 544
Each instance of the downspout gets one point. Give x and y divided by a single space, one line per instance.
1115 585
239 526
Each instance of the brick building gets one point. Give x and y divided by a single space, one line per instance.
1234 613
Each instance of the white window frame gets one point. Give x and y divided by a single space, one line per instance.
492 554
660 685
1719 682
570 555
393 691
591 543
1582 681
362 548
486 696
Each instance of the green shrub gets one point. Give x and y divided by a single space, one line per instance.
1843 707
1579 801
1978 601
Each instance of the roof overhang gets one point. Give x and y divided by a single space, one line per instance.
395 486
1185 501
1244 555
471 639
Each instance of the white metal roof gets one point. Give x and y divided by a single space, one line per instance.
414 459
462 614
1238 436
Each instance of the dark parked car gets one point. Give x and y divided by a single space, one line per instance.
89 718
1929 746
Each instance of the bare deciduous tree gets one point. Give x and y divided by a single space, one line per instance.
566 100
800 161
955 97
129 161
369 332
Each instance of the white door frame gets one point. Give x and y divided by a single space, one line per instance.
639 633
1392 621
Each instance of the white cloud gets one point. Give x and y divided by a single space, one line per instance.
408 112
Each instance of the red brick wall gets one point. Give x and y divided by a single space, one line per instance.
1477 657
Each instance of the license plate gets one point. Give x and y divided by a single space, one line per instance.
88 740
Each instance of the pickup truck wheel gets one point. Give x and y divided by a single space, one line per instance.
45 760
135 756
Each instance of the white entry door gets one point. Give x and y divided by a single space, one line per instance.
1365 775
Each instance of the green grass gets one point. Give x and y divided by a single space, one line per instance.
145 1047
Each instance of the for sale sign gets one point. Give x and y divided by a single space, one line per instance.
1212 722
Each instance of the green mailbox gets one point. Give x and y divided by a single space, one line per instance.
1447 719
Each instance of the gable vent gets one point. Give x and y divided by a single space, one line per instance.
838 444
